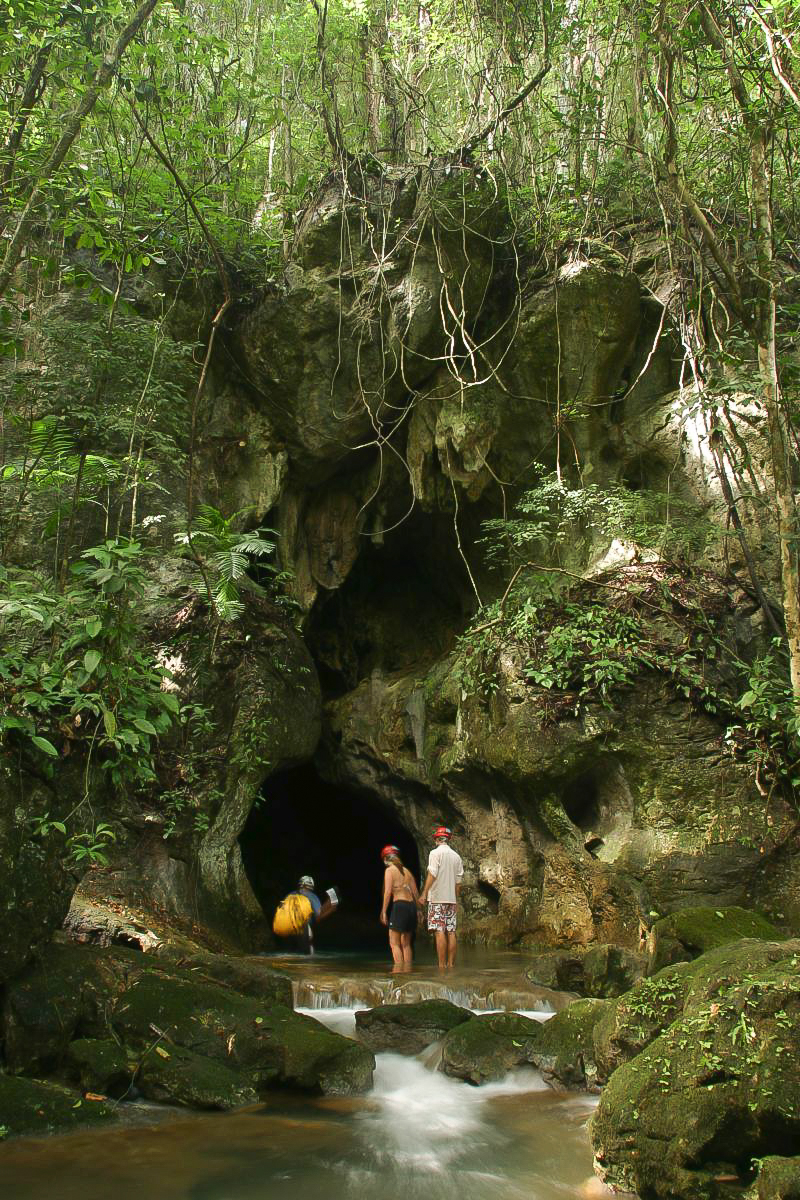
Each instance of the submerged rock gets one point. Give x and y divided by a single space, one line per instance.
408 1028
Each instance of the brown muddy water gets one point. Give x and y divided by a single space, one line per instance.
417 1135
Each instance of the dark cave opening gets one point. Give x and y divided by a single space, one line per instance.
302 825
581 802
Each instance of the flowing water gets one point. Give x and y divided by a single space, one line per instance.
417 1135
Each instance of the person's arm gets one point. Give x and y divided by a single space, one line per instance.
423 896
387 894
412 883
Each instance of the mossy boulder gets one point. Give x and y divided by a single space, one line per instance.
716 1090
632 1021
601 971
100 1065
178 1076
692 931
487 1047
408 1028
29 1106
66 993
270 1043
564 1052
248 976
778 1179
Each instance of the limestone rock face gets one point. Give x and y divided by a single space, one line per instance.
570 832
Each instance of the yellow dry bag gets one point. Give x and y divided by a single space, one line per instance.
291 915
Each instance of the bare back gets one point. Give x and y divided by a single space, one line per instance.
402 883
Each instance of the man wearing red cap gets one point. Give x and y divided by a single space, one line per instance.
441 891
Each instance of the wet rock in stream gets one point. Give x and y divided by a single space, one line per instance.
116 1021
408 1028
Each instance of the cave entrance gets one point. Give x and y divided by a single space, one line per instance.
301 825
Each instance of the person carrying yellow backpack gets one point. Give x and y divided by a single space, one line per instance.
298 912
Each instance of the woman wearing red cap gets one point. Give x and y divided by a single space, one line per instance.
399 888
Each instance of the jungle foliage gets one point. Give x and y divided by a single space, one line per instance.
155 161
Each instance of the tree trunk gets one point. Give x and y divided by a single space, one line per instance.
72 127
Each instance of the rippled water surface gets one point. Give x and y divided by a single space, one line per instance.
417 1134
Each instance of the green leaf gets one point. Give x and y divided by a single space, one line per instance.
145 726
110 723
170 702
90 660
43 744
93 626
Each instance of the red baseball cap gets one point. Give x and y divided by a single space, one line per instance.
387 850
442 832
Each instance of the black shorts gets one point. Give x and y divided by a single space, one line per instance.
404 916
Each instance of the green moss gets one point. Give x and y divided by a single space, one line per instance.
99 1065
700 929
178 1076
714 1091
565 1046
487 1047
28 1106
778 1179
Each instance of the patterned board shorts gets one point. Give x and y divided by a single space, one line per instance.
441 917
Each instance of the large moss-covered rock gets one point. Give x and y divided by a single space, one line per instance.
691 931
408 1028
717 1089
269 1043
564 1051
67 992
488 1047
631 1022
178 1076
600 971
30 1106
248 976
100 1065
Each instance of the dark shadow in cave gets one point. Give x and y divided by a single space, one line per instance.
582 802
302 825
402 604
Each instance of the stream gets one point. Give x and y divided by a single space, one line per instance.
417 1134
